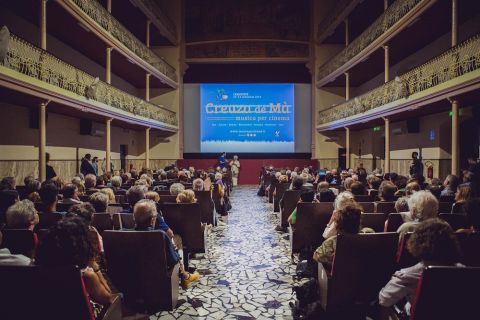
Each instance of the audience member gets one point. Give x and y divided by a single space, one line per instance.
134 194
423 206
358 189
186 196
472 210
433 243
49 196
176 188
109 193
99 201
341 200
86 211
450 186
70 194
307 195
197 185
386 191
90 184
22 215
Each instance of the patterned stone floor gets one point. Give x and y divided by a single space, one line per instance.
247 272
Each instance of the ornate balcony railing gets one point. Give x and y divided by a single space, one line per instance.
158 17
453 63
394 13
34 62
339 13
101 16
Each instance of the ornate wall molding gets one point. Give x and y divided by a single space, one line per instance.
114 32
454 63
158 17
26 59
397 17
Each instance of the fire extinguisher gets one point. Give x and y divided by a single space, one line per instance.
429 166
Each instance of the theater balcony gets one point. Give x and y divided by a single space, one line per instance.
396 17
98 20
451 74
35 72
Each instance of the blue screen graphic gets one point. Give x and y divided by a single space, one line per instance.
247 118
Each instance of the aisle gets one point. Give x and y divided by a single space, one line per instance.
247 273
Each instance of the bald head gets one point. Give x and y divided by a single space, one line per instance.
145 213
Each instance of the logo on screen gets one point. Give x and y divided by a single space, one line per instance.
277 134
222 95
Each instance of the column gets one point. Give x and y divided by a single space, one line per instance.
107 145
42 145
147 148
385 5
147 38
347 146
43 24
347 33
386 51
347 86
455 136
108 67
109 6
147 86
387 145
454 22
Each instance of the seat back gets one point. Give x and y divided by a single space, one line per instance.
123 221
102 222
394 221
64 207
385 207
363 264
457 207
163 192
376 221
290 200
363 198
120 198
404 257
368 207
446 293
279 191
48 219
114 208
455 220
185 220
469 245
204 198
137 264
450 199
168 199
19 241
445 207
312 218
32 292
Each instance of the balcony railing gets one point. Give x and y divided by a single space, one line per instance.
387 20
34 62
158 17
453 63
103 18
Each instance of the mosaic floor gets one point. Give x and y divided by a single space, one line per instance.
247 272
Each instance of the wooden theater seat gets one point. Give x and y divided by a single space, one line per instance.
470 247
312 218
367 207
363 264
167 199
444 207
280 189
363 198
207 207
20 241
32 292
394 221
385 207
455 220
445 293
376 221
404 257
137 265
185 219
102 222
123 221
287 205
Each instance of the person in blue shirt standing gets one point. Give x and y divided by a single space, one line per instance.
222 161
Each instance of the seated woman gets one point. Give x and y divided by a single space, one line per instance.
347 222
464 193
472 210
86 211
109 193
341 200
433 243
386 191
145 215
307 195
423 205
186 196
67 244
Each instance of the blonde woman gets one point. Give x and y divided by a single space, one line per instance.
109 193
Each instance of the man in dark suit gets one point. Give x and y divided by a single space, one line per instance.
86 166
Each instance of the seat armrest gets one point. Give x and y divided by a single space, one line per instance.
114 310
323 285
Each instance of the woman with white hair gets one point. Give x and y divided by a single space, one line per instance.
235 165
423 205
341 201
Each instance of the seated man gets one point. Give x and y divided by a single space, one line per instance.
308 195
433 243
99 201
135 194
49 215
90 184
145 215
386 191
423 205
116 182
70 194
197 185
8 259
22 215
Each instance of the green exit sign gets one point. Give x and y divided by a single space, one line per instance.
376 129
